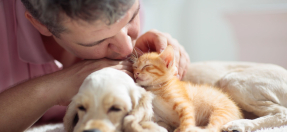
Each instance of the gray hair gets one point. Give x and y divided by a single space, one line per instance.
48 12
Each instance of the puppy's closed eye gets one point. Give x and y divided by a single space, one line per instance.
82 108
114 108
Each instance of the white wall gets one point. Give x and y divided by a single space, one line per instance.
201 26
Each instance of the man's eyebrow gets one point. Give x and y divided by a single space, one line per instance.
98 42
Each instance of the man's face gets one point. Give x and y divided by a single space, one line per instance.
97 40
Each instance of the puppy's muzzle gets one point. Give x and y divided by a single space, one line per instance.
98 126
92 130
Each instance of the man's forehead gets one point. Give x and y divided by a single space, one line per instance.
96 25
79 24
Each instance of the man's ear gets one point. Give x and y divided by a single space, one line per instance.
167 55
39 26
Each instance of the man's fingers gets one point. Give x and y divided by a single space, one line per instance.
151 41
186 56
181 67
184 72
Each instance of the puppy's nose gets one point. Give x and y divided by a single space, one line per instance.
92 130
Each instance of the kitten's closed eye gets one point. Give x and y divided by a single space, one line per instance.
146 66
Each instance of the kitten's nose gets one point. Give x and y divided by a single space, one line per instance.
136 75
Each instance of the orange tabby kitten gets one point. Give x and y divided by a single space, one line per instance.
178 104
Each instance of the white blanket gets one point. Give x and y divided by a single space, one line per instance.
60 128
48 128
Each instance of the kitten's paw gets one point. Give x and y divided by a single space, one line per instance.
242 125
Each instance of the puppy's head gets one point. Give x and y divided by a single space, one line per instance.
103 100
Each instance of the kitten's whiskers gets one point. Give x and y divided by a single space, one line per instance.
148 48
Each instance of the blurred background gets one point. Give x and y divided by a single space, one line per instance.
227 30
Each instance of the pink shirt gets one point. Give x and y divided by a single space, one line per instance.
22 53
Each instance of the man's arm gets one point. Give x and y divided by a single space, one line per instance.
25 103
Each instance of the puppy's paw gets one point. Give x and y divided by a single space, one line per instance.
242 125
189 129
131 124
166 126
128 120
152 127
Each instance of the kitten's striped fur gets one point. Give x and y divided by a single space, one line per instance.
181 105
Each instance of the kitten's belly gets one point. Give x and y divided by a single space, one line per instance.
165 112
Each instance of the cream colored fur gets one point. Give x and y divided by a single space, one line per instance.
104 100
257 88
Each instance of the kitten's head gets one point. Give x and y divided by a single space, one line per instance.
153 69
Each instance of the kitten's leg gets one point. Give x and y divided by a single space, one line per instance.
218 118
273 115
186 116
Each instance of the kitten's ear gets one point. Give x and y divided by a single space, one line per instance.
167 56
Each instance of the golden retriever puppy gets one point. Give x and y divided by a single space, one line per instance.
257 88
104 99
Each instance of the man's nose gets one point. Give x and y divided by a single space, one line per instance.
123 43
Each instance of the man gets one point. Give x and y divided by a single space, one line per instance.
84 36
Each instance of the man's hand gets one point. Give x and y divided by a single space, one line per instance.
154 40
72 77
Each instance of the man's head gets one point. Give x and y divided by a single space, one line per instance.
88 29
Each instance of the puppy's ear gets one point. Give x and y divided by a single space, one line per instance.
135 94
71 118
142 104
